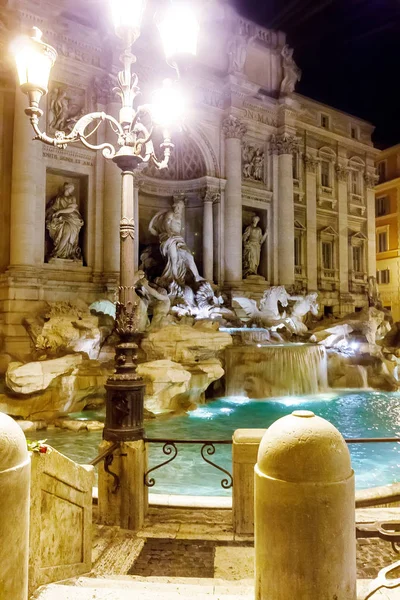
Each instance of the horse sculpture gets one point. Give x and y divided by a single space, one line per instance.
267 313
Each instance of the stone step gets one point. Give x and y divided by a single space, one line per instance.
132 588
163 588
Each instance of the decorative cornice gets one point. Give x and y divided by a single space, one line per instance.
371 179
311 163
283 144
342 172
232 127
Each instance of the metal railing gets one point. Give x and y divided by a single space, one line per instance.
108 456
170 449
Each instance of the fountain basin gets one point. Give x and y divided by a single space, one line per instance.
356 413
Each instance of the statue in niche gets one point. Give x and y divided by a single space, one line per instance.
63 112
291 72
253 162
253 238
64 222
180 270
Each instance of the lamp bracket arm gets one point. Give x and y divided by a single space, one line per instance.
78 133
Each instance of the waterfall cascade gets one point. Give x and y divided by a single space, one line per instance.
275 370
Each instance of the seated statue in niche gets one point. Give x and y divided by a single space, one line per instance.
253 238
180 270
291 72
64 222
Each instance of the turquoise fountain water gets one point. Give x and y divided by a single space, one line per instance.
355 414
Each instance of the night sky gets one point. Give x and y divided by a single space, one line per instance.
349 52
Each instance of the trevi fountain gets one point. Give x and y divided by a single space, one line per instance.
211 364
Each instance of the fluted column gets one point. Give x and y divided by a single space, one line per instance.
233 131
342 177
284 146
208 236
370 182
111 206
27 192
311 164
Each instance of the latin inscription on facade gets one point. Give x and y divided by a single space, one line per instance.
77 158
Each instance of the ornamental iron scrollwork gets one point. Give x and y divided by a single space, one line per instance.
383 581
169 449
207 449
107 464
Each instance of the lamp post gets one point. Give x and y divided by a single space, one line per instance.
34 59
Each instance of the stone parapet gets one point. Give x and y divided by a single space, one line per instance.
60 518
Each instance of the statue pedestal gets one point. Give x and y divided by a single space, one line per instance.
66 262
255 279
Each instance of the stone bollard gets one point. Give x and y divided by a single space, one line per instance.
305 545
15 470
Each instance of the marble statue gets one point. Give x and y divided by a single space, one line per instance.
63 113
374 298
58 108
180 269
266 314
303 305
291 72
237 52
253 239
64 222
156 298
253 162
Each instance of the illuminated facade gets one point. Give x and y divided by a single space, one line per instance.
251 147
387 195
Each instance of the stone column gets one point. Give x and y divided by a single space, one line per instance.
370 182
311 164
208 236
233 131
284 146
342 178
26 191
111 206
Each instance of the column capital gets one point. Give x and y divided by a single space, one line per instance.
211 196
342 172
233 127
311 163
283 144
371 179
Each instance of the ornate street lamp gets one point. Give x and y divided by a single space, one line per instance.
34 59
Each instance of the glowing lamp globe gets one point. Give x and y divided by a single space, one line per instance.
34 60
168 106
127 18
179 31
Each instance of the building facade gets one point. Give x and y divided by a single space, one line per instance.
250 147
387 194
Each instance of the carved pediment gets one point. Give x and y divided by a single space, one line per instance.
328 231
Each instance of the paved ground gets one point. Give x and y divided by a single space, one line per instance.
194 555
